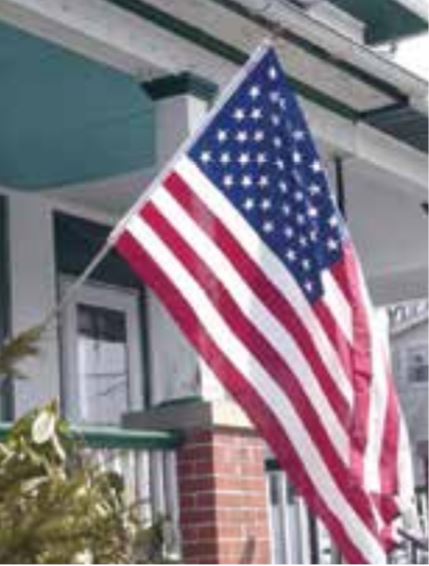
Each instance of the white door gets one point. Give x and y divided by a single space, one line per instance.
101 345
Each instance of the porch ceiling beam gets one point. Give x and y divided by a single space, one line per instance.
106 33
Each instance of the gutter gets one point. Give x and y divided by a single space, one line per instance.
337 48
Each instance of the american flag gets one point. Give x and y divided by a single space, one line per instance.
243 242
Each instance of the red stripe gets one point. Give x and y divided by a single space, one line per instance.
335 335
346 273
248 398
279 307
390 447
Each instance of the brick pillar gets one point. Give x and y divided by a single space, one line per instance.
223 499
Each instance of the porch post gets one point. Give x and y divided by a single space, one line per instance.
223 499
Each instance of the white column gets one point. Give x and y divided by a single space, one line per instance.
33 295
175 368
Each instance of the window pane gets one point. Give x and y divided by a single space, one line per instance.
102 364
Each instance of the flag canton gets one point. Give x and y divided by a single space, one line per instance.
259 153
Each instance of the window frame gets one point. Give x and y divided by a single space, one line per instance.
102 295
410 351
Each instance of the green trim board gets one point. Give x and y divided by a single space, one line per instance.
182 83
385 20
117 438
6 385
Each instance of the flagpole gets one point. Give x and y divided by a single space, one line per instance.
226 93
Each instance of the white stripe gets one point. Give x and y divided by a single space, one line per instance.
254 310
271 266
336 302
378 397
378 389
256 376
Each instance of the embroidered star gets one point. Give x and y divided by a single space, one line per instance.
225 158
248 204
239 114
241 136
246 181
256 114
272 73
206 156
228 181
315 166
268 227
222 135
266 204
243 159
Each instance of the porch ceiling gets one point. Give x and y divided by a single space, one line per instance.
65 119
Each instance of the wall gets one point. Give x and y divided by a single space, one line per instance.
414 396
33 294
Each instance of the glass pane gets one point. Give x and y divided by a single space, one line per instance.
102 364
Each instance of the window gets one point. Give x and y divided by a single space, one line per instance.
417 364
102 367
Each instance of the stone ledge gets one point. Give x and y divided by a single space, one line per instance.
190 416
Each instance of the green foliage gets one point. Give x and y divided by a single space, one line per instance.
56 506
22 346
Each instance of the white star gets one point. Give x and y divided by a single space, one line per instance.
303 241
239 114
313 212
296 157
275 119
298 135
272 73
277 141
266 204
206 156
225 158
306 264
254 91
333 221
313 235
308 286
286 209
256 114
332 244
282 103
228 181
283 187
243 159
298 196
248 204
268 227
261 158
259 135
246 181
289 232
222 135
263 181
280 164
315 166
314 189
241 136
290 254
300 219
274 96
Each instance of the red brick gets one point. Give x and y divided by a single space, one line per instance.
195 484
